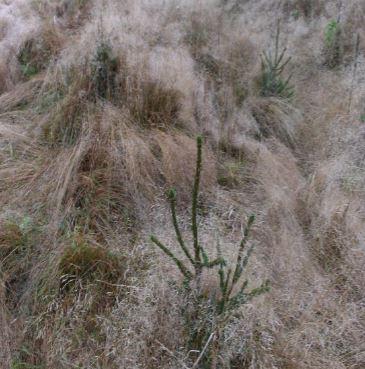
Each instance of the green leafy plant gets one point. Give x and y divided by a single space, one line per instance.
296 14
331 30
333 44
272 69
218 304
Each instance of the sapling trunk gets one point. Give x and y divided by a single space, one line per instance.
194 210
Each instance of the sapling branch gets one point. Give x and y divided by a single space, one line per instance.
178 262
172 198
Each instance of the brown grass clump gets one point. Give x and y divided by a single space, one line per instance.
178 153
65 124
11 239
106 77
83 266
67 14
75 93
15 255
89 263
229 74
198 32
307 8
275 117
155 106
37 52
331 244
354 18
21 97
72 292
71 8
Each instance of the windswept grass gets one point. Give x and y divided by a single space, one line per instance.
100 105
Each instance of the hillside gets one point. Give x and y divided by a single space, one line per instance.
107 105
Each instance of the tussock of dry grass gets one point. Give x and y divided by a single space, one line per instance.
93 136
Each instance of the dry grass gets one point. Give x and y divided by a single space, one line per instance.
305 8
91 141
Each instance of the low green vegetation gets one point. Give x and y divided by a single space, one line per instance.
333 45
295 14
231 172
25 359
34 56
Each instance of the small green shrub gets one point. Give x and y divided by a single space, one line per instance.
333 45
331 31
104 70
272 69
207 312
296 14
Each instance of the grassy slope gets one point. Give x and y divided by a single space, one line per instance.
101 102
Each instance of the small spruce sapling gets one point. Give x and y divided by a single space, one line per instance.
272 68
104 67
232 290
333 45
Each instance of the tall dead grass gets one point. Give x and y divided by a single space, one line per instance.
90 143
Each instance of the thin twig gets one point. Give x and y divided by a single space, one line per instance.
172 354
194 225
172 196
203 351
354 72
